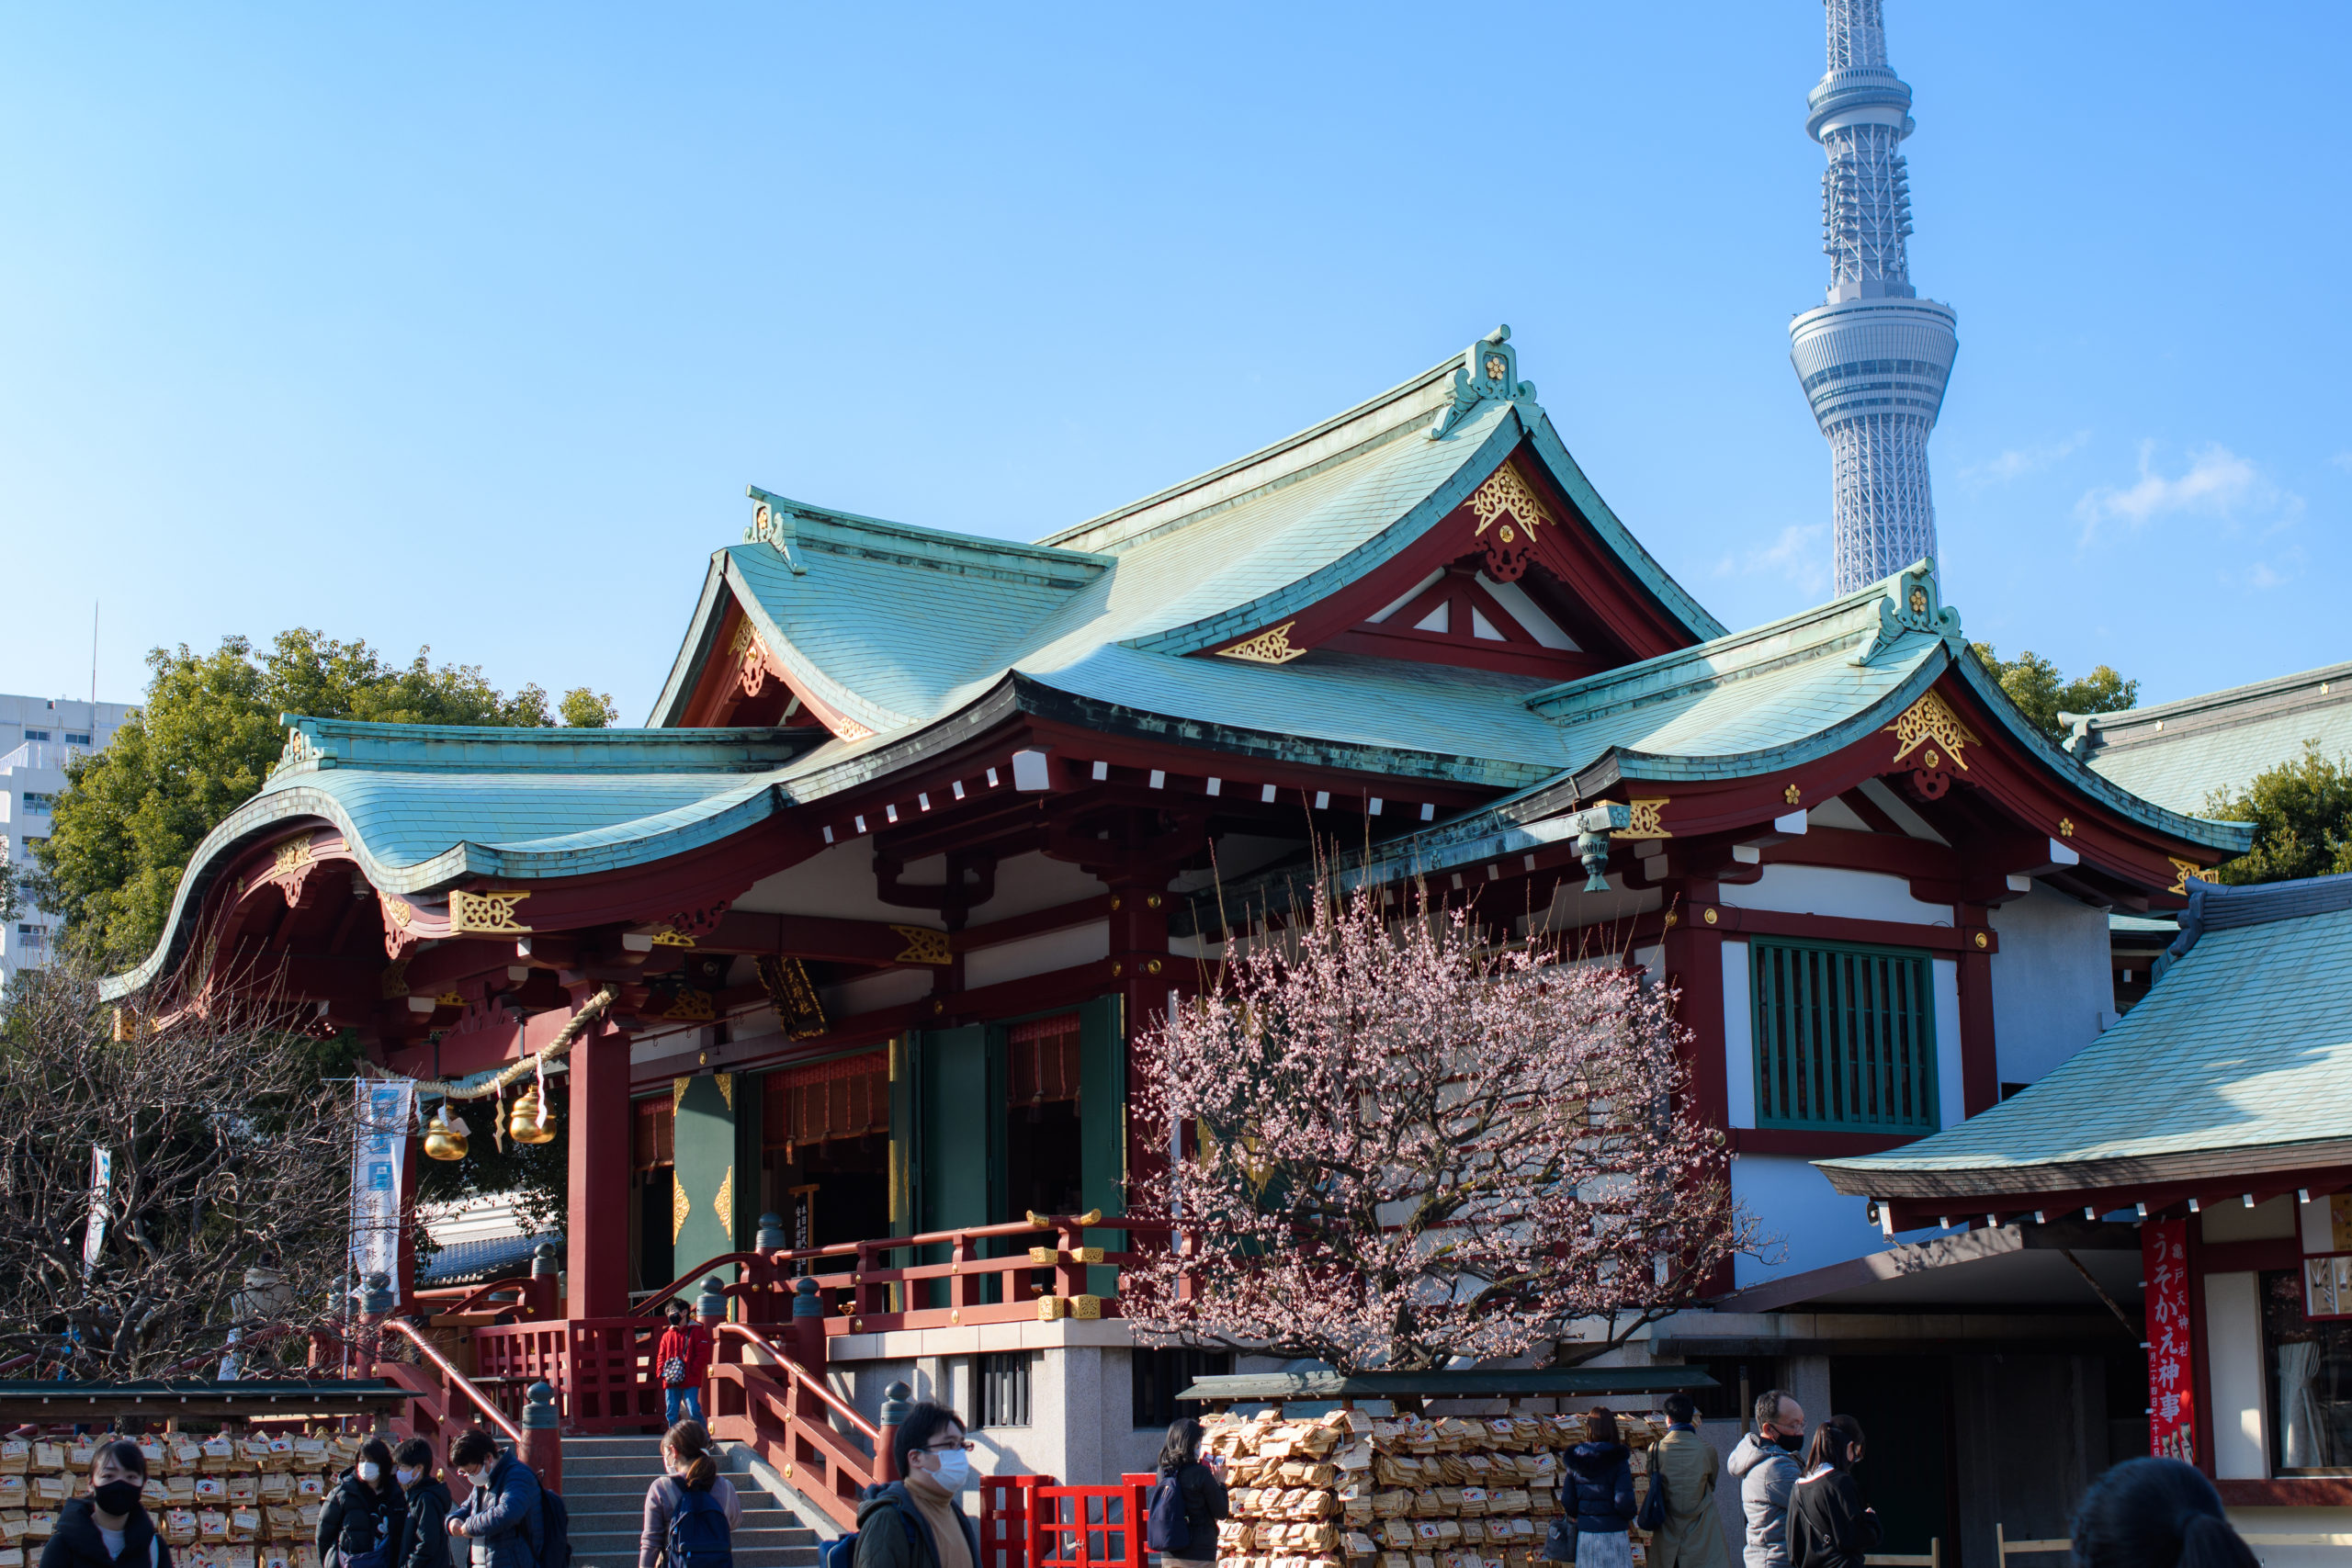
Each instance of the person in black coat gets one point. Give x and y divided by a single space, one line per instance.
423 1542
1202 1488
108 1528
1597 1493
1828 1525
366 1512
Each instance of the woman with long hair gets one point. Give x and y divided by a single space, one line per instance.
108 1528
1597 1493
362 1521
2145 1512
692 1507
1828 1525
1198 1486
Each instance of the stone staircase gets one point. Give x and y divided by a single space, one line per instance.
605 1480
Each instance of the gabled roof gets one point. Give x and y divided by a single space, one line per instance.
892 625
425 804
1741 705
2181 754
2239 1059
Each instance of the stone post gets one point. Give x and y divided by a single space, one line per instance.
546 1301
806 1344
543 1437
898 1403
375 1305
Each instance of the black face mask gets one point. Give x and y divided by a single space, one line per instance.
1791 1441
117 1497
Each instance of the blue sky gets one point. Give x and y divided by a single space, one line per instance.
467 325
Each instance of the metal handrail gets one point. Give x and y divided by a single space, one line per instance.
458 1380
801 1374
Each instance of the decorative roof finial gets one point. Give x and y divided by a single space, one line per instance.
1488 373
773 520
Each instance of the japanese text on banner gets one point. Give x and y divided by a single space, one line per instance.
379 1144
2172 1380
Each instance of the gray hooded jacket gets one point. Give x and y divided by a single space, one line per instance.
1766 1472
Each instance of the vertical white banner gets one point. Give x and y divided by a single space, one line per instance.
94 1234
380 1140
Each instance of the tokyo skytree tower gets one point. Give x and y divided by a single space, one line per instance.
1874 361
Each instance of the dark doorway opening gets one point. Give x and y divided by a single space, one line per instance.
1905 1406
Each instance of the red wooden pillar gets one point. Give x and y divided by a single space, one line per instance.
596 1223
1692 957
1980 1062
1694 961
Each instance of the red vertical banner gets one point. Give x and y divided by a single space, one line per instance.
2172 1379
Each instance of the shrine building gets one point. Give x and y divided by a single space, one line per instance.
926 825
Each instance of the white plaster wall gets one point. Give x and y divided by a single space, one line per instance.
1950 1099
2052 986
1037 954
1739 1037
1812 1225
2234 1356
1829 890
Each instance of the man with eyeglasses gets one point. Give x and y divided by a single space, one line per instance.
918 1522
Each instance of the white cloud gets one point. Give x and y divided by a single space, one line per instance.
2019 461
1801 555
2217 483
2342 460
2264 575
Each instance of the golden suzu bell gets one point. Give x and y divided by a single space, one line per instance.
444 1138
523 1123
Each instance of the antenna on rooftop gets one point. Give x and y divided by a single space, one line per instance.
94 660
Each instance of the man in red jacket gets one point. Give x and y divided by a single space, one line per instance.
681 1360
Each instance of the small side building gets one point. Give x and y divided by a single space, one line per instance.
2216 1122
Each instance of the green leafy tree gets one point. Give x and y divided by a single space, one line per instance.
2302 813
2034 683
200 746
584 709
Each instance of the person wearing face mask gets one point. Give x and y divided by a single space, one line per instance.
1828 1525
360 1525
1764 1463
501 1518
425 1543
110 1529
917 1522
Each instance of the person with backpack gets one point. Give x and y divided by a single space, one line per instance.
502 1516
1189 1500
690 1513
683 1358
917 1522
423 1542
108 1528
360 1526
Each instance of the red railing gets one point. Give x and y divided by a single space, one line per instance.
602 1369
534 1297
1029 1521
443 1400
793 1421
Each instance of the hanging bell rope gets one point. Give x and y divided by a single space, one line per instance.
595 1008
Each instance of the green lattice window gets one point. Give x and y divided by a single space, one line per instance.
1845 1037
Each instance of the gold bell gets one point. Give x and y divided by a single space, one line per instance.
443 1138
523 1123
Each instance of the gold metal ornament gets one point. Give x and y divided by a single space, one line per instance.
523 1123
444 1137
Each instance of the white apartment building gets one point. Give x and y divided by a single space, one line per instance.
37 736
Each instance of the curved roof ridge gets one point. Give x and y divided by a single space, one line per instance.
2228 696
1408 413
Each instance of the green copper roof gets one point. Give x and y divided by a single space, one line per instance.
2245 1045
2181 754
424 805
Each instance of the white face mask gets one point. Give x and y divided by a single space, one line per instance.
367 1471
408 1477
955 1472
